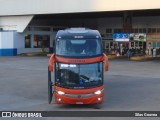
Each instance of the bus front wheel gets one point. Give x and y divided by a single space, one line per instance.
97 106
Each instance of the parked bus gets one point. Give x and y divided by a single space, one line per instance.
78 65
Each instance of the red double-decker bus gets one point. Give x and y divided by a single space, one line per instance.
78 66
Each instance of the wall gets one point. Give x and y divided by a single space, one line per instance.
137 22
7 44
104 23
68 22
18 23
32 7
7 39
0 40
146 22
19 41
12 43
14 40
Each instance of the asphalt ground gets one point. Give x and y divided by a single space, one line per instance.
129 86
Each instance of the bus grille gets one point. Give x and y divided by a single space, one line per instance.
79 95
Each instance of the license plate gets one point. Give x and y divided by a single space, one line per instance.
79 102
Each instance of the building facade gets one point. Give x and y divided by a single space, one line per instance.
31 26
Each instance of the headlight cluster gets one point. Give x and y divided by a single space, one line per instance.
98 92
60 92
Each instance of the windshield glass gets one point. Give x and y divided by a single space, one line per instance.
79 76
78 47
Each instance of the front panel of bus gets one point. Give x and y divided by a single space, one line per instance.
78 83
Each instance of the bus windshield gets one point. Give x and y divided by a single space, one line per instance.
79 75
78 47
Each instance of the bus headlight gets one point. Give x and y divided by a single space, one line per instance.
98 92
60 92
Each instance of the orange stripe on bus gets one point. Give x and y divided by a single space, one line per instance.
54 58
79 61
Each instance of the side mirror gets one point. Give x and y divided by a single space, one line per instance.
51 63
106 63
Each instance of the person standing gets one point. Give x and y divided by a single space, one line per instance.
129 53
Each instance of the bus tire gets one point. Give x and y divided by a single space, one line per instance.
97 106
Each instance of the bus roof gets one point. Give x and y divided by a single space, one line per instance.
71 33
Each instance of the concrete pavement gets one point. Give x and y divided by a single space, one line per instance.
130 86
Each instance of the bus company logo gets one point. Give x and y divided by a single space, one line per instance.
77 61
79 96
6 114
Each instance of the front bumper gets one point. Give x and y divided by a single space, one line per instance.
82 96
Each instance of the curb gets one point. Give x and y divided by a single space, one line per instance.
33 54
141 58
144 58
117 57
49 55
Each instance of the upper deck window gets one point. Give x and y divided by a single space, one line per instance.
78 47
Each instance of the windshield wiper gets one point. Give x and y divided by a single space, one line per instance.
84 77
